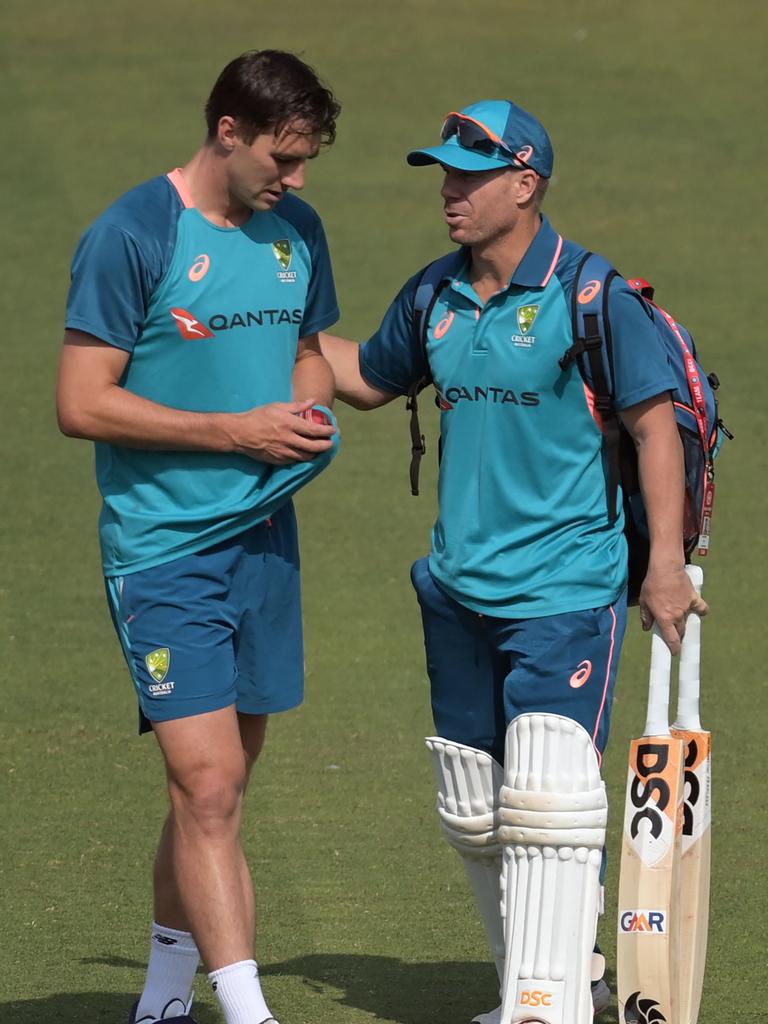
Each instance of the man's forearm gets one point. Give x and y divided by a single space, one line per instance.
351 386
313 378
121 417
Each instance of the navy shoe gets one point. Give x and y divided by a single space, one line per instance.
184 1019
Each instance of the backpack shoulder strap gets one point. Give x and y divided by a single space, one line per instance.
593 353
427 290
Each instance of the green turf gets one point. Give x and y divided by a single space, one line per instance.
657 116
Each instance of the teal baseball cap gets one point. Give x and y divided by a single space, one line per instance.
488 136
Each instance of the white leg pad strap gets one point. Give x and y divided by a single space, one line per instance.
552 816
468 784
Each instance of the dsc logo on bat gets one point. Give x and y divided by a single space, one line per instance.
536 998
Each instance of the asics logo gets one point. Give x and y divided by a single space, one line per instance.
189 326
589 291
442 328
524 154
200 267
581 675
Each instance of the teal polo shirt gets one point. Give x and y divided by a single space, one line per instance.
523 528
211 318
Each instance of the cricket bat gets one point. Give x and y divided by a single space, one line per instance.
693 914
647 950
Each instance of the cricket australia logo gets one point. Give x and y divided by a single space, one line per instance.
282 250
158 662
284 255
526 316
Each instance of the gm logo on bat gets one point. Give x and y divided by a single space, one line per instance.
648 922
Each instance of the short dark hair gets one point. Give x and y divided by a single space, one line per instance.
267 90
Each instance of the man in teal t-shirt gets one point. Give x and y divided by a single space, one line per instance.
523 595
192 359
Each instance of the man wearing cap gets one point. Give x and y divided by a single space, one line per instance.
523 595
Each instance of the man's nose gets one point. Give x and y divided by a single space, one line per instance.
295 179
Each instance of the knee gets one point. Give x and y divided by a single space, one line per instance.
208 800
468 783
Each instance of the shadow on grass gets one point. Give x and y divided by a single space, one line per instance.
385 987
77 1007
407 993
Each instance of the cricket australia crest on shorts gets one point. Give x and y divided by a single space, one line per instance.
158 663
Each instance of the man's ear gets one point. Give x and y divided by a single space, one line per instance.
227 133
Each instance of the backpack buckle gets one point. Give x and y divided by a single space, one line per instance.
577 348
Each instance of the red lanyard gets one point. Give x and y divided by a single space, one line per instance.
700 412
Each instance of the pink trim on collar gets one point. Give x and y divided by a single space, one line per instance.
176 178
551 270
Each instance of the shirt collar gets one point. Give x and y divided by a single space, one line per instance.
538 265
534 270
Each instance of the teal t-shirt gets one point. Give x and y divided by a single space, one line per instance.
211 317
523 528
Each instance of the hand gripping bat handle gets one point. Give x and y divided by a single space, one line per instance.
690 663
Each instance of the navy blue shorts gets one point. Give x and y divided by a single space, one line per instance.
485 671
219 627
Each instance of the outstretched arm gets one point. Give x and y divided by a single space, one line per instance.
351 386
667 594
91 404
312 375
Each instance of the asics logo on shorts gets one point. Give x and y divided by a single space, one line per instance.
581 675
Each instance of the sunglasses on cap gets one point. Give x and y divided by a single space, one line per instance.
475 135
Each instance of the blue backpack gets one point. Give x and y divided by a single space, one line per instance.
696 409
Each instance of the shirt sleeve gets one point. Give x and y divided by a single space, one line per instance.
322 308
111 286
641 367
393 359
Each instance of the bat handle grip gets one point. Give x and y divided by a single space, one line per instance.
690 663
657 722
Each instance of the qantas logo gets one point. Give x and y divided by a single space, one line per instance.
581 675
190 327
492 395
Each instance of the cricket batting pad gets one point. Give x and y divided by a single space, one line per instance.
552 816
468 784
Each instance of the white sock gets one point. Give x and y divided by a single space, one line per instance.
173 961
238 990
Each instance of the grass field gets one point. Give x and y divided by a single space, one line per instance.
657 116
